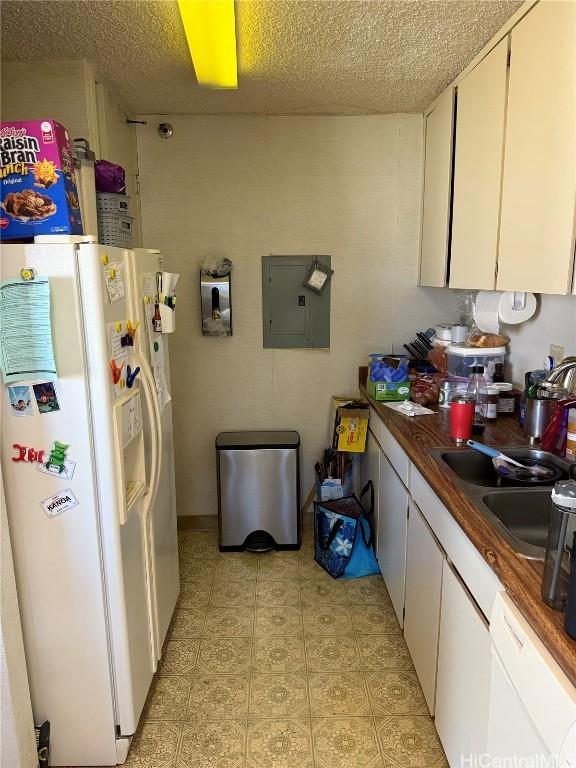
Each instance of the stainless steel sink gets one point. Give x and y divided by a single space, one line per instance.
476 468
523 514
520 513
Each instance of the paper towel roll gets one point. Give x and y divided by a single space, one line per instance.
512 316
486 311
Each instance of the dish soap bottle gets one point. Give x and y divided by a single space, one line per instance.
479 391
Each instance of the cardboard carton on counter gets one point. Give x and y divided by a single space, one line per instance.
349 417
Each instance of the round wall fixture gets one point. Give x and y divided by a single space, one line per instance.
165 130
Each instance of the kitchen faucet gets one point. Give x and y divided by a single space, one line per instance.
564 374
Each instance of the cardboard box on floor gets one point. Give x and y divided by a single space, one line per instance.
349 423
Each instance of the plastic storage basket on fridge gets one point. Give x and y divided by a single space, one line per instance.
110 202
115 229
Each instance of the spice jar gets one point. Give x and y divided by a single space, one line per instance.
506 399
492 404
498 375
571 436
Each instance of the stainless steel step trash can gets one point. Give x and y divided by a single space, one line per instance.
258 490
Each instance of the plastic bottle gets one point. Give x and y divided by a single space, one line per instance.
570 619
562 515
477 388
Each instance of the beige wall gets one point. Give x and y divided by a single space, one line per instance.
67 91
553 323
61 90
245 187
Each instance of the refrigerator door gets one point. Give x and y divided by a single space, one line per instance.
119 462
57 559
161 501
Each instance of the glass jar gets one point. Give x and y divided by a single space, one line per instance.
506 399
571 436
449 389
492 404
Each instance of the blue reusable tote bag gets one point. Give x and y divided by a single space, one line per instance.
343 536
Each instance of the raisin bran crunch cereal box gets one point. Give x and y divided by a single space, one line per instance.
38 193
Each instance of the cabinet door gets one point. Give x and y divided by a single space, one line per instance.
536 250
439 125
371 471
478 172
392 532
422 602
463 684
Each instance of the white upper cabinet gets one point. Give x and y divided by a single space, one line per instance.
539 182
511 223
439 124
479 148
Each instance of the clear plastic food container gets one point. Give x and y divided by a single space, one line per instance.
461 358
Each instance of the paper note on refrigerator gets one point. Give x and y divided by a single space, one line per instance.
117 350
159 369
121 354
26 350
149 291
114 280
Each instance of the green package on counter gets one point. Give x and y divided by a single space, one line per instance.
389 390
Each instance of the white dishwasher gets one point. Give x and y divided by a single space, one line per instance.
532 713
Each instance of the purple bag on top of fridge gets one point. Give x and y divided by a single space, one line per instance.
109 177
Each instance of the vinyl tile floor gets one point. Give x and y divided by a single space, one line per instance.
271 663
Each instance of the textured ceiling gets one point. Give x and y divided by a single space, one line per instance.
295 56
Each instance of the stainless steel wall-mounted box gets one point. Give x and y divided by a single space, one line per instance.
216 305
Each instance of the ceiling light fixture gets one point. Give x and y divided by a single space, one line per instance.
211 33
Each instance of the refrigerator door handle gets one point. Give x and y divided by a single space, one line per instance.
156 456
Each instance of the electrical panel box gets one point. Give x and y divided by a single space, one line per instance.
294 316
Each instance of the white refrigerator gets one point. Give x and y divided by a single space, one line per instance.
94 534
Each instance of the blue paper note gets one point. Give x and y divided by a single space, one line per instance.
26 351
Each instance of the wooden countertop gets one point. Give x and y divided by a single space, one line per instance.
520 577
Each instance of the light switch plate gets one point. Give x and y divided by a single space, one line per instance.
556 353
